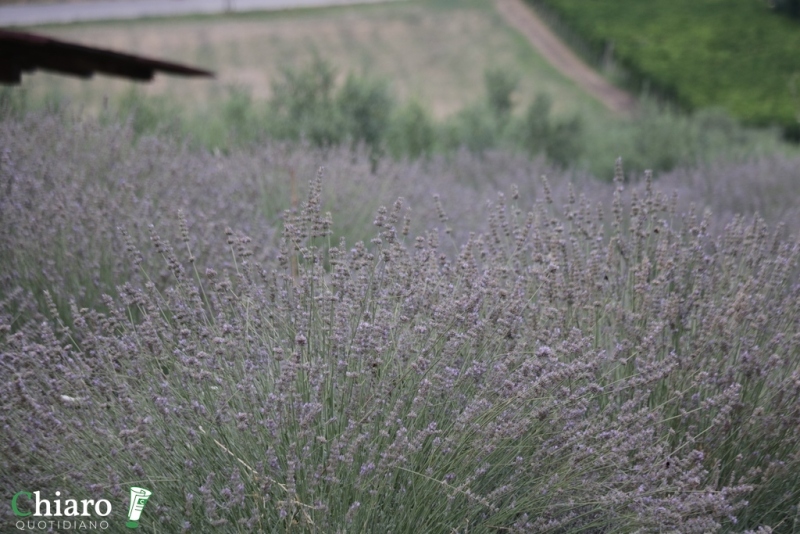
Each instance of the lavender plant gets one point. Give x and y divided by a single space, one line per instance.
618 366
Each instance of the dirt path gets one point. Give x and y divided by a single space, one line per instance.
523 18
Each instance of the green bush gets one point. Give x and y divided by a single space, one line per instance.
149 114
538 133
411 133
308 103
491 124
485 125
500 87
662 138
239 115
365 106
474 128
303 105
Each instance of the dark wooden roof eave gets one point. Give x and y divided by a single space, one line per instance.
25 52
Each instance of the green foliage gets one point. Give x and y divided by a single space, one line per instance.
538 133
501 84
240 115
475 128
148 114
662 138
307 103
492 124
731 54
13 103
412 132
365 106
303 105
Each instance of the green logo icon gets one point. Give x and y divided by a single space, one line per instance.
139 498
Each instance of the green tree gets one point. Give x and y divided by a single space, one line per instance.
365 106
500 87
302 105
412 132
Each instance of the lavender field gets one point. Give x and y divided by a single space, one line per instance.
284 338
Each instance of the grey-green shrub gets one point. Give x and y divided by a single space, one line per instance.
618 362
88 178
508 389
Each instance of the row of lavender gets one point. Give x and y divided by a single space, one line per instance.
268 348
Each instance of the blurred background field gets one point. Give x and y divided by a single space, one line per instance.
425 76
434 51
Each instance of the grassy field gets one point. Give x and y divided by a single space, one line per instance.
738 55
